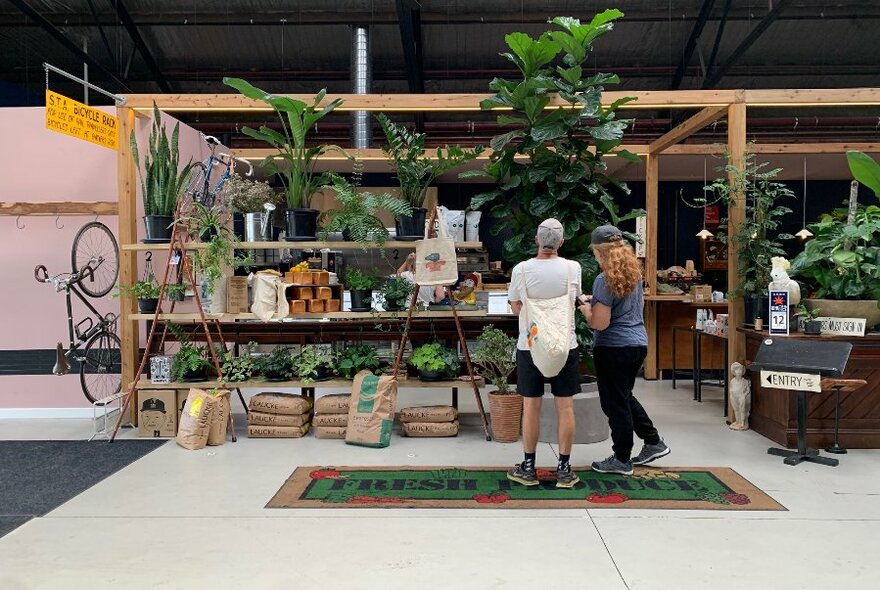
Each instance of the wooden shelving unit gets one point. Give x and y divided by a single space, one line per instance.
269 385
339 315
317 245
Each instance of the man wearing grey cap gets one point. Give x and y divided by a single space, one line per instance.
546 276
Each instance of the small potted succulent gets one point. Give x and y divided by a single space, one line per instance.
355 359
191 363
314 363
812 326
495 357
277 365
435 362
361 286
146 292
396 293
241 367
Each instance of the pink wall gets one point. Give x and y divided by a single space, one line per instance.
40 165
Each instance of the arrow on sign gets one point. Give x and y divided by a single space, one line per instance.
791 381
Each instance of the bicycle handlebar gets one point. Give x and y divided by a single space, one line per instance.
41 269
41 274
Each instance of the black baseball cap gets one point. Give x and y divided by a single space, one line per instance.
153 404
605 234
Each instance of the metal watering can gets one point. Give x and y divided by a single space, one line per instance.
258 226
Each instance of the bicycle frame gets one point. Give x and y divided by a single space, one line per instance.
104 323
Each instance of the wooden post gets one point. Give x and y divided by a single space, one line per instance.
127 185
652 188
736 147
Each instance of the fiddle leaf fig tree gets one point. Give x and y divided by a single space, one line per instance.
550 164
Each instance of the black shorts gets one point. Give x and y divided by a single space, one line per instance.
530 381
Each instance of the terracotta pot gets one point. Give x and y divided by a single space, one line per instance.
506 412
843 308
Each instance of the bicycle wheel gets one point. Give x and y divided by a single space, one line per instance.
100 366
94 244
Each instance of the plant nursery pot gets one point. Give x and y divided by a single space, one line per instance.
159 228
843 308
361 299
506 415
412 227
813 328
755 307
195 376
302 225
393 306
321 373
274 377
148 305
431 375
238 225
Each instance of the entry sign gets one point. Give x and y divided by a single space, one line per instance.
791 381
73 118
778 313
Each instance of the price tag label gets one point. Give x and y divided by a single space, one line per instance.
778 313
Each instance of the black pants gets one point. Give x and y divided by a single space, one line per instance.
616 370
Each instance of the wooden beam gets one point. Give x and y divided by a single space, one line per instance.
736 146
645 99
128 274
705 117
699 149
51 208
813 97
652 187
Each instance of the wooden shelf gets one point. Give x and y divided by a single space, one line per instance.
270 385
317 245
338 315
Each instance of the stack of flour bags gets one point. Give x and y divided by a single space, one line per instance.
279 415
430 421
331 415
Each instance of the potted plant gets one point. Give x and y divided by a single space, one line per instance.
757 240
146 292
298 173
356 216
355 359
248 199
496 357
161 181
361 286
175 291
840 263
314 363
277 365
191 363
212 224
812 326
416 172
241 367
396 293
435 361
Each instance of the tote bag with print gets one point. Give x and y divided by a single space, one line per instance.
436 262
549 322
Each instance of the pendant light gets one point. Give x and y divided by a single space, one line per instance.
805 234
704 234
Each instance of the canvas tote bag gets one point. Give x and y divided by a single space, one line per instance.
549 340
436 262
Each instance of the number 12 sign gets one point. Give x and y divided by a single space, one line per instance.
778 313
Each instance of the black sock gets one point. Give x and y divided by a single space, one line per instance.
563 464
528 461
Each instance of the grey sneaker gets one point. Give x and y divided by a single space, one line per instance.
522 475
566 479
651 452
613 465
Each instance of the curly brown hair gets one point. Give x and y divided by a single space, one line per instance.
620 265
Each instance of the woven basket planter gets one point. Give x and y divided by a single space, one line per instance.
506 411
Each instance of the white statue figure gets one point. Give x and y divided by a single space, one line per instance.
782 282
740 397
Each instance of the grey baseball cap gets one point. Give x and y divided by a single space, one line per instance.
605 234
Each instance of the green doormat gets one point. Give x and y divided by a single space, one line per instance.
692 488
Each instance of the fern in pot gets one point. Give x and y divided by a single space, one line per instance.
495 357
191 363
277 365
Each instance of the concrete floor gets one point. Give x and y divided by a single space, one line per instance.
185 519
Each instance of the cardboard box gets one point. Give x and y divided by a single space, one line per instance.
157 415
237 295
181 401
701 293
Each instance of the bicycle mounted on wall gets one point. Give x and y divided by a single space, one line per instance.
94 269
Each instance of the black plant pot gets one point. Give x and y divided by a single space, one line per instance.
302 225
755 307
208 234
361 299
148 305
431 375
321 373
195 376
813 328
274 377
159 228
412 227
393 305
238 225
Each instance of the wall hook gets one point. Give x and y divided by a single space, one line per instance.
57 219
17 220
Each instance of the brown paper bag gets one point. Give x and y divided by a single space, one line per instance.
330 420
371 413
430 429
428 414
334 403
262 419
220 418
262 431
330 432
195 421
280 403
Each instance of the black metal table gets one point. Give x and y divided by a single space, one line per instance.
697 371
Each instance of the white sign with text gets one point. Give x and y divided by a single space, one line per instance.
843 326
791 381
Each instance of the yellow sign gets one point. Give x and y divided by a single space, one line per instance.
73 118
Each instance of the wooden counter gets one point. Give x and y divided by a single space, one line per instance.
774 412
677 312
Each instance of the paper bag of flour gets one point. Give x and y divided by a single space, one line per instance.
220 418
371 412
195 421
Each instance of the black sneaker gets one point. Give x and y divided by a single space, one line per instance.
523 475
566 479
613 465
651 452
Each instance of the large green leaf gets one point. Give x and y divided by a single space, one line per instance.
609 130
500 141
531 54
865 170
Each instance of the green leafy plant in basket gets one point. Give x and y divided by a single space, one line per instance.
277 365
355 359
241 367
314 362
147 288
435 361
495 356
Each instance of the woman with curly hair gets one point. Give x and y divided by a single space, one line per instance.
620 345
